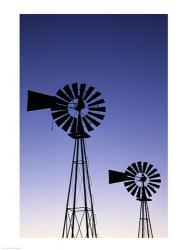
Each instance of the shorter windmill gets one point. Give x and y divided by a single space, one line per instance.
141 180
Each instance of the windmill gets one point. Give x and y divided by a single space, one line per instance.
141 180
77 109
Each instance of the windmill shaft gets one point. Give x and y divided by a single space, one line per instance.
145 228
79 215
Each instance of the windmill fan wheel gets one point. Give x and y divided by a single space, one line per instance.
79 109
142 180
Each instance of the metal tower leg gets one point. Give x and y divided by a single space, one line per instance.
79 215
144 229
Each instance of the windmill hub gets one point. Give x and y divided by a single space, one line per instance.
76 107
80 105
141 179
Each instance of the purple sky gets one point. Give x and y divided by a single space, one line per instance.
124 57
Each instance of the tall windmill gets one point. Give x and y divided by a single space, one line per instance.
77 109
141 180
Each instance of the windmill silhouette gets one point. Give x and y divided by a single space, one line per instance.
141 180
77 109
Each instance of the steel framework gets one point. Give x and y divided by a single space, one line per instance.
144 229
79 214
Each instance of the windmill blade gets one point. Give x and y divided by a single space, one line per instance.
56 107
87 124
131 170
82 89
140 167
149 168
154 185
101 101
96 123
128 178
100 109
74 126
131 187
154 176
75 89
56 115
135 167
152 171
127 183
96 115
94 96
133 192
115 176
129 174
38 101
151 188
61 94
147 191
62 119
144 166
157 180
89 91
67 124
68 91
60 101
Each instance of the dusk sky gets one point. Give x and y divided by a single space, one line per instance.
125 58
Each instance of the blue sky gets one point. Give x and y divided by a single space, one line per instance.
124 57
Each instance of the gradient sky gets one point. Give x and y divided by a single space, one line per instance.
124 57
